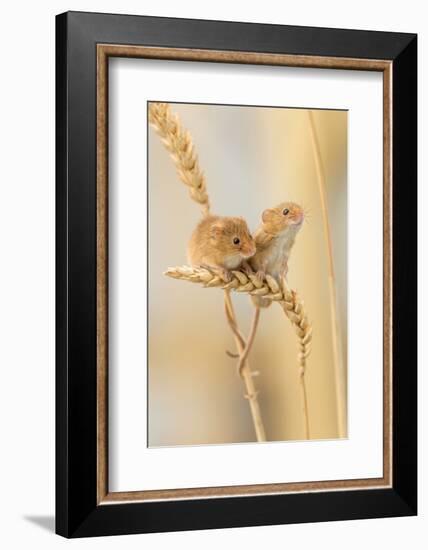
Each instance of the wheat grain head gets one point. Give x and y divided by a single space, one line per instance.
242 282
179 144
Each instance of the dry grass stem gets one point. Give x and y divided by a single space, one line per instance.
336 343
179 143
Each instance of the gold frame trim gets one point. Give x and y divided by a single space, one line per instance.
104 51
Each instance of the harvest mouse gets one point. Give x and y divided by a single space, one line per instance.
274 240
221 244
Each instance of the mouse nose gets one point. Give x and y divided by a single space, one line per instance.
250 250
299 216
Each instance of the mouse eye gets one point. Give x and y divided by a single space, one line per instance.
285 211
236 240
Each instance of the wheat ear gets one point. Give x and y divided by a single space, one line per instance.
180 146
239 282
294 309
288 299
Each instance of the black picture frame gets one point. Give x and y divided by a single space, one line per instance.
78 513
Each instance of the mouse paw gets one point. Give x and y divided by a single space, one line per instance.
226 275
246 268
261 275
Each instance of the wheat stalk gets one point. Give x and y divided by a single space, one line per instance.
180 146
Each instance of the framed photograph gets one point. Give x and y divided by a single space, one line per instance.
236 274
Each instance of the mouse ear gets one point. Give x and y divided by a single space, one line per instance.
267 215
216 230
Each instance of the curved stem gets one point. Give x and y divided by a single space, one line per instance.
251 393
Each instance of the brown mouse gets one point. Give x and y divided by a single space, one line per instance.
274 240
222 244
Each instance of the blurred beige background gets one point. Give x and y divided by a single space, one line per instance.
253 158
